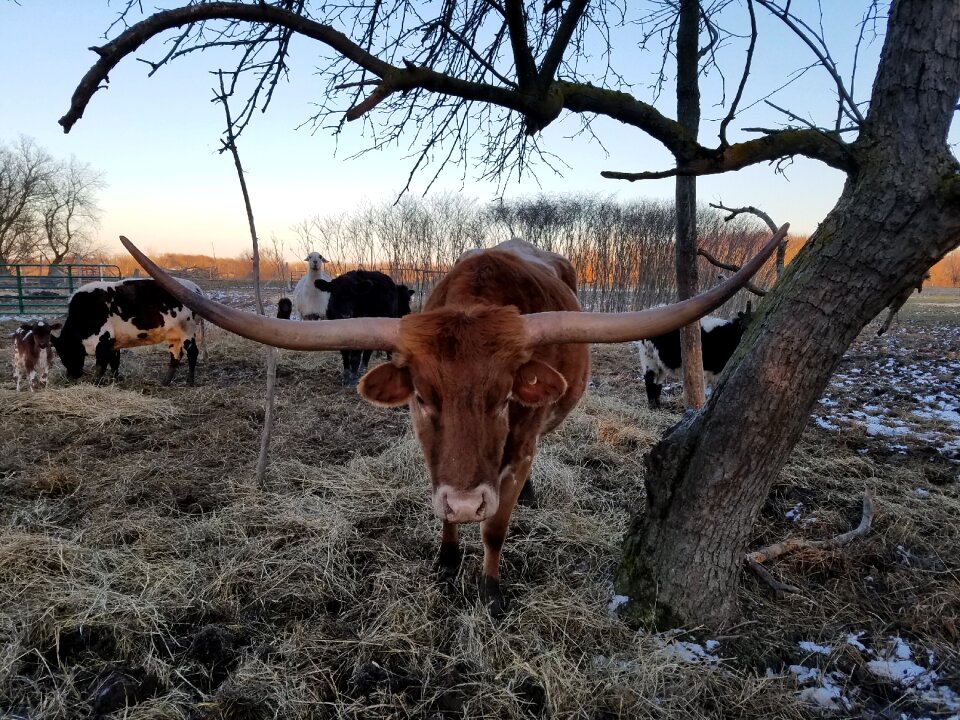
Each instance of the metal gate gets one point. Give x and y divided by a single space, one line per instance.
46 289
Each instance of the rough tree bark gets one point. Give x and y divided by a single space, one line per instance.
688 115
898 213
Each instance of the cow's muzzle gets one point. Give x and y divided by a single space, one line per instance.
465 506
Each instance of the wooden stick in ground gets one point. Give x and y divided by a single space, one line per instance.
271 354
770 552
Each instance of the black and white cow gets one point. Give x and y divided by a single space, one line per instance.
660 355
361 293
104 317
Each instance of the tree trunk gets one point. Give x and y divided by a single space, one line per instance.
898 214
688 115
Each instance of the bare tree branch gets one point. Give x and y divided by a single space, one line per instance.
811 39
731 267
230 144
771 552
731 113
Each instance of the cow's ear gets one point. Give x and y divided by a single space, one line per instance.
536 383
56 326
322 284
386 385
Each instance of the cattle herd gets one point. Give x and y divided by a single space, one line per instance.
497 357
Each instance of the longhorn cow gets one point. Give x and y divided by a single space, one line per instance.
497 357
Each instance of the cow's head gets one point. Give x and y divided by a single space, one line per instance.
345 292
71 353
463 372
404 295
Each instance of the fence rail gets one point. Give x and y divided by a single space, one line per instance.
46 289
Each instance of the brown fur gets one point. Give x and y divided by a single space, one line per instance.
479 398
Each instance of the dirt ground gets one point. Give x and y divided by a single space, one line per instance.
144 575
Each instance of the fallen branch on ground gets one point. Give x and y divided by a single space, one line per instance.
754 559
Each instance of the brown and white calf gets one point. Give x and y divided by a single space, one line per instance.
497 358
33 353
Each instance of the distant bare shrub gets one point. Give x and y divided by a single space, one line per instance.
623 251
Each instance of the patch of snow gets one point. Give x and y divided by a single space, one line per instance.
617 602
921 492
897 666
825 424
876 428
812 647
902 672
827 696
688 651
854 638
793 514
804 674
825 692
942 697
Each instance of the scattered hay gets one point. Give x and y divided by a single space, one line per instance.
99 406
144 575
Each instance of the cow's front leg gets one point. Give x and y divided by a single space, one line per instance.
364 362
493 532
193 352
176 353
115 364
653 389
448 560
105 355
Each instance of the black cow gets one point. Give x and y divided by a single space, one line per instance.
284 308
660 355
104 317
403 300
360 293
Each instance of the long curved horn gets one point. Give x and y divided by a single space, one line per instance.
354 334
551 328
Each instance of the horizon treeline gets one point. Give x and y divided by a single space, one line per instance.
623 250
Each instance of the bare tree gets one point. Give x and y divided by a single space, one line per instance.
502 71
68 211
953 268
25 171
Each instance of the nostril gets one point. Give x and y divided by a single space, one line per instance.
483 504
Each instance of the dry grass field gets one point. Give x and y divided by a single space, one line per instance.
143 574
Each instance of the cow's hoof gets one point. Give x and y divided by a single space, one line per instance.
493 597
528 496
448 562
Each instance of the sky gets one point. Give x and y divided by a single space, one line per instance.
156 138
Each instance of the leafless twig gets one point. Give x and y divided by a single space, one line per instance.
230 144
